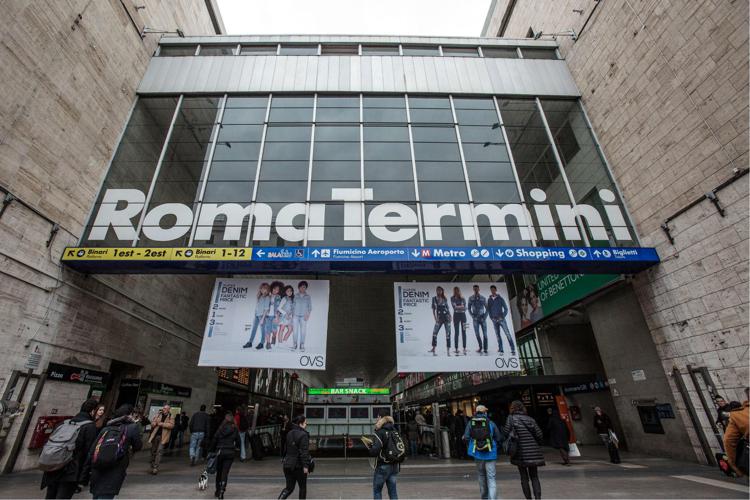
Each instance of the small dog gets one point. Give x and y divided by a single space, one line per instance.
203 481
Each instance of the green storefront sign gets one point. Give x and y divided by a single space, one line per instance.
326 391
558 290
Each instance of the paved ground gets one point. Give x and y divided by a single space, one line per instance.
589 477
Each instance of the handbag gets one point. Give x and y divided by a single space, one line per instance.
311 467
573 450
211 460
510 445
613 439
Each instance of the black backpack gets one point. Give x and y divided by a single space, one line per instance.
481 432
111 447
393 450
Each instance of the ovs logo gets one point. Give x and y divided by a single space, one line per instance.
507 364
315 361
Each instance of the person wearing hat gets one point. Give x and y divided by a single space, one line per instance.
483 438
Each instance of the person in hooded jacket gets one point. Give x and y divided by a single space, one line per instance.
529 454
297 460
62 483
385 473
225 440
106 483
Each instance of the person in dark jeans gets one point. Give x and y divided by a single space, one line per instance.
62 483
297 460
224 442
385 473
529 454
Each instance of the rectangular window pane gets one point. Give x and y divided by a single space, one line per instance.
258 50
339 50
443 192
330 133
440 171
284 171
421 50
386 109
342 115
217 50
299 50
243 116
177 50
500 52
333 170
494 192
386 134
388 171
538 53
460 51
433 134
279 133
248 102
380 50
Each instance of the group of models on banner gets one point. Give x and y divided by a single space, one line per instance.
281 314
478 308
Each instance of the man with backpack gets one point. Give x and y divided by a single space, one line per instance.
63 457
390 451
109 457
483 438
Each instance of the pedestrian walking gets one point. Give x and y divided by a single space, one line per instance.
297 461
243 424
528 454
225 440
389 451
109 457
559 435
412 433
161 429
457 430
738 424
198 426
603 426
78 432
483 438
100 419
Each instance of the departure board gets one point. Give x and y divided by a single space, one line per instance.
237 375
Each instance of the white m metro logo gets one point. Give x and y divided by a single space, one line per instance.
389 222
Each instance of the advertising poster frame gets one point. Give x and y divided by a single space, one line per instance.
260 323
426 324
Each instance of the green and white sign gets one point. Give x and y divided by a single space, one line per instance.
326 391
558 290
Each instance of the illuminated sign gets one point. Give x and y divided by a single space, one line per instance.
326 391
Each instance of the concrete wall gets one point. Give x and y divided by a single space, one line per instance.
68 85
625 346
665 85
572 348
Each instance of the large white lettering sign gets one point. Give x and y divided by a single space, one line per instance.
269 323
446 327
121 209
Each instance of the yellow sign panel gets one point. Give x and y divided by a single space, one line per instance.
158 254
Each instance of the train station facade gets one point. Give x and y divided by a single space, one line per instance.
364 161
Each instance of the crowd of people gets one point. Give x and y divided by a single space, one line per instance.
92 450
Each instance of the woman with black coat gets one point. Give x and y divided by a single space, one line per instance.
559 435
106 482
529 454
297 460
226 439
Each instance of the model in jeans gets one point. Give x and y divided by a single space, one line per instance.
273 312
261 313
498 310
442 315
385 473
528 454
302 309
478 312
483 437
459 317
286 310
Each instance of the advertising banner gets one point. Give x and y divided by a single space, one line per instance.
454 327
268 323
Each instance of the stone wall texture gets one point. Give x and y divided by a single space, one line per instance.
665 84
69 72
